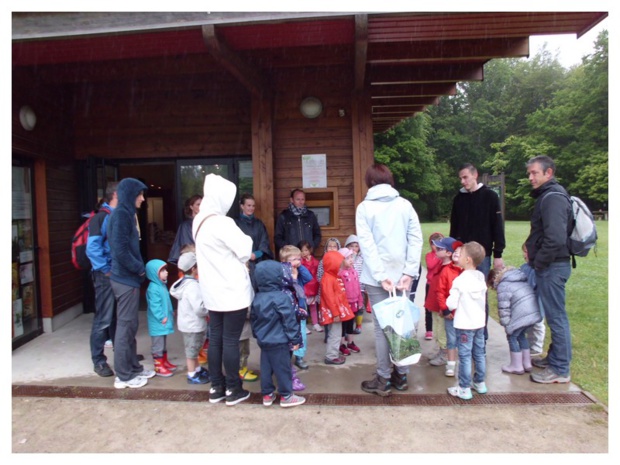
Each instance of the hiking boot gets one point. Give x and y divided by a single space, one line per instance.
352 347
461 393
480 388
216 394
377 385
540 362
103 369
301 363
440 358
292 401
399 381
236 396
269 399
548 376
197 379
136 382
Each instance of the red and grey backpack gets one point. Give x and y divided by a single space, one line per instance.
80 240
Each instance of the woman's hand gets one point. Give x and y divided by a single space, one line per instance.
387 285
404 283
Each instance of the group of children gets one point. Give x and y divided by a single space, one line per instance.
456 295
287 294
329 293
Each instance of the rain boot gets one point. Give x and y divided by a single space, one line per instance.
527 360
167 364
516 364
160 369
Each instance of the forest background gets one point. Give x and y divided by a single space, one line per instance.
523 108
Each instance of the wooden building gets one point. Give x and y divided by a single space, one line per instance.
167 97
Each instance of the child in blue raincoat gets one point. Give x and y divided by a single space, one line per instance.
160 316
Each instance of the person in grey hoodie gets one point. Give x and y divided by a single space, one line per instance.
518 311
390 238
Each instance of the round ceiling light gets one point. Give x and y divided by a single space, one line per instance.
27 118
311 107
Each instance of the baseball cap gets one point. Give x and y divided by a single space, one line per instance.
448 243
186 261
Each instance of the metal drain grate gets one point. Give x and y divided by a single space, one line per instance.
433 400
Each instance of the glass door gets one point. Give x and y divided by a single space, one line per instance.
27 322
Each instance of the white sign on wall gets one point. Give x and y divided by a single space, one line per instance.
314 171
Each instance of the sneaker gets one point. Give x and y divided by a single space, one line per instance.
234 397
136 382
461 393
439 360
540 362
204 373
197 379
216 394
301 363
352 347
335 361
292 401
268 399
480 388
308 330
108 344
247 375
318 328
357 330
103 369
377 385
298 385
140 357
146 373
399 381
450 369
548 376
344 351
428 336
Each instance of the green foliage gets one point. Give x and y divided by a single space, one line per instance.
523 108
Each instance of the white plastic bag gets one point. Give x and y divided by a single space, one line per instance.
398 318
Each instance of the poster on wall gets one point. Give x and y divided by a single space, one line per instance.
15 281
314 171
28 302
18 321
26 273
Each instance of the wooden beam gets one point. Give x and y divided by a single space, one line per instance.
363 145
447 50
397 110
405 100
426 73
250 77
43 239
414 90
361 50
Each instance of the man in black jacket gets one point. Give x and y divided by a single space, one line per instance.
477 216
297 223
550 226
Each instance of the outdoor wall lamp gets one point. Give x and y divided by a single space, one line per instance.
27 118
311 107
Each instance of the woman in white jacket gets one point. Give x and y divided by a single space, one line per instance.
390 238
222 252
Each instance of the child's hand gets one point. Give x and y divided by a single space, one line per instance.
164 321
296 346
336 319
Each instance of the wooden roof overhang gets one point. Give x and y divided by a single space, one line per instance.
405 61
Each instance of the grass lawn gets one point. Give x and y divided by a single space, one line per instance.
586 302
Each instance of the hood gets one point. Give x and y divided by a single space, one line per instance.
152 270
462 190
333 239
178 288
509 274
382 193
219 195
331 262
351 239
128 190
268 275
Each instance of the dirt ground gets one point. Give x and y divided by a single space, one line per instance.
184 427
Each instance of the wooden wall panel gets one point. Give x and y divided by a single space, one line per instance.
137 119
294 135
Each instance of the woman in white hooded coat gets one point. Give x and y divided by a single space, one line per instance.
222 253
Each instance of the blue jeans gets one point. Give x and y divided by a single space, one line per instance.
471 345
126 363
276 361
225 328
382 349
104 322
451 338
485 267
551 292
517 341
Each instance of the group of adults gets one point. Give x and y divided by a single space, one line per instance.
390 238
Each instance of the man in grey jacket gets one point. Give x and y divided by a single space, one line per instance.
550 226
